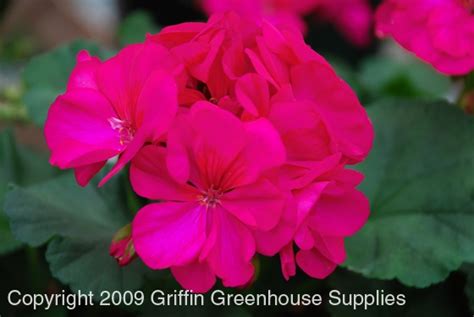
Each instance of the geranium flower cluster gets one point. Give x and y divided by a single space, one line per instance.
440 32
353 18
240 136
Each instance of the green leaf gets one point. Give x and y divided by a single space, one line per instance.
8 242
71 260
387 76
46 75
20 165
135 26
81 224
469 269
419 179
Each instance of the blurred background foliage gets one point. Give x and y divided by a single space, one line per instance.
420 176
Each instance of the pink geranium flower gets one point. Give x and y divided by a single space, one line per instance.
329 209
440 32
328 119
326 116
352 17
214 179
239 131
112 108
213 53
257 71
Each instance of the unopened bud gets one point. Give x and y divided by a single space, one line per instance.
122 248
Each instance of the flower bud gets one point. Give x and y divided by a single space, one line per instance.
122 248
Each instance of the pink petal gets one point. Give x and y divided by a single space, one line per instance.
338 106
123 77
174 35
169 234
202 69
196 277
150 178
157 116
219 137
264 149
84 73
85 173
313 263
78 131
276 42
287 259
260 67
234 61
232 250
304 238
219 85
301 128
275 66
348 177
331 247
271 242
342 214
252 92
299 174
307 197
258 205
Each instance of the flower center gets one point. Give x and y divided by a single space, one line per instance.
125 129
210 197
468 4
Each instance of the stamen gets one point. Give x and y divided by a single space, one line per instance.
210 197
125 129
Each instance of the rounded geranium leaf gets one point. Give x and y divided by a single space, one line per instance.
419 179
81 223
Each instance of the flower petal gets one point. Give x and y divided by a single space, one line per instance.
150 178
84 73
158 102
338 106
122 78
258 205
174 35
271 242
155 119
313 263
331 247
287 260
252 92
85 173
264 149
301 128
339 214
196 277
78 131
169 234
219 137
232 250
